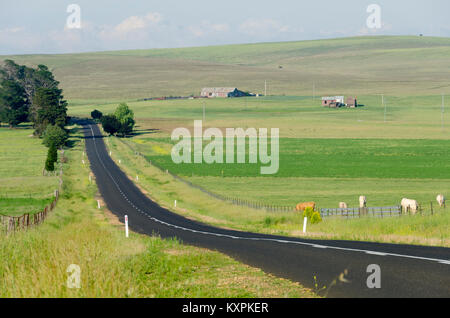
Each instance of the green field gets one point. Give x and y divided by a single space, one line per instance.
23 188
326 155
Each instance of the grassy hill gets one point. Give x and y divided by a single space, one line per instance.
356 66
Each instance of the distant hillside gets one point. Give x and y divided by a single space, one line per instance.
360 65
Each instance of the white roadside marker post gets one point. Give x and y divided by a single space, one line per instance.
120 161
90 179
305 220
82 161
110 153
98 204
126 225
175 203
137 178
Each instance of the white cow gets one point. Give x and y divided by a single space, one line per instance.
441 200
362 201
410 205
342 205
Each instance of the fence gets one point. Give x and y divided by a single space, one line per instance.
16 223
380 212
11 224
229 199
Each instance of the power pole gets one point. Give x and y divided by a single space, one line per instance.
203 111
314 90
442 111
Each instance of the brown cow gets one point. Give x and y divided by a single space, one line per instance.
303 206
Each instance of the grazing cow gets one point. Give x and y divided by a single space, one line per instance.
410 205
343 205
362 202
441 200
303 206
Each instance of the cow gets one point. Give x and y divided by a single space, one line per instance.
362 202
343 205
441 200
302 206
410 205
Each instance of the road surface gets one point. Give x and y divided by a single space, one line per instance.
342 266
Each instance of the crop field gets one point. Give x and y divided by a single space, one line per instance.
23 189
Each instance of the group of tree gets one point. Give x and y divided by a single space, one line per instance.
121 122
32 95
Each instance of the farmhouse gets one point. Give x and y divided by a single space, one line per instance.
333 101
338 101
223 92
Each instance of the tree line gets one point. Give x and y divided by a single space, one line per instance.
33 95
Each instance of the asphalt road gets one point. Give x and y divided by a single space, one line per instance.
405 270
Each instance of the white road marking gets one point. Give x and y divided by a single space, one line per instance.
441 261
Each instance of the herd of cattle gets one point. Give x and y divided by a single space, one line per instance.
408 205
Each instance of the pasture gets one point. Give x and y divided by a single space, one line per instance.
407 65
326 155
23 189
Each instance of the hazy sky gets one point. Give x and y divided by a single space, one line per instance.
40 26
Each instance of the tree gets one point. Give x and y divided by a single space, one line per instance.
13 103
126 118
52 157
110 124
54 136
96 114
31 80
51 109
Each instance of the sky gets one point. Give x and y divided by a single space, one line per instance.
47 26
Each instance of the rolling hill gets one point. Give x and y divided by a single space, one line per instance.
404 65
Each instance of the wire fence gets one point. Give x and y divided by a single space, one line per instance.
229 199
11 224
381 212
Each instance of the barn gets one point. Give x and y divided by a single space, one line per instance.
223 92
